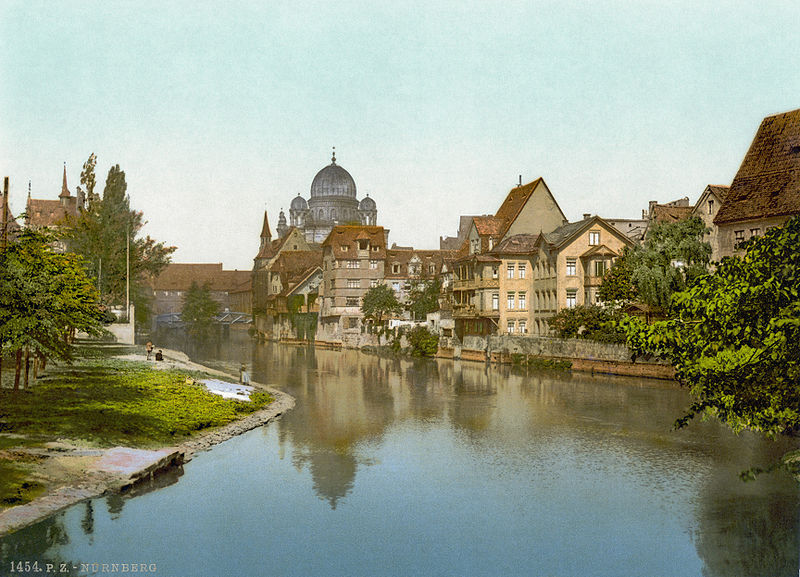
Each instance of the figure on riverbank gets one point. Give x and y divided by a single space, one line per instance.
149 348
244 376
159 355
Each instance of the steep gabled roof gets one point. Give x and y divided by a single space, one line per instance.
768 181
566 233
489 226
719 189
667 213
265 231
41 213
295 265
516 200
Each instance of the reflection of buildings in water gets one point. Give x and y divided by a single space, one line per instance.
748 528
332 472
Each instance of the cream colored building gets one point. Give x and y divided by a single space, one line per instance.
569 264
706 209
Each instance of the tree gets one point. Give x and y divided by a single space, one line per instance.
44 297
198 311
617 284
734 338
380 302
672 257
423 298
106 230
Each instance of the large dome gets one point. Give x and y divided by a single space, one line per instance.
333 180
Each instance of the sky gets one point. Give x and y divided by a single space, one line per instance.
218 111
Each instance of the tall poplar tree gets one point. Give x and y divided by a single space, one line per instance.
106 230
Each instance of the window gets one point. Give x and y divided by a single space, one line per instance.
522 268
352 264
495 272
755 232
510 299
594 238
710 206
599 268
739 235
353 283
510 270
373 283
522 301
523 327
344 247
431 269
395 268
363 244
352 301
495 301
373 264
571 298
511 327
352 322
571 267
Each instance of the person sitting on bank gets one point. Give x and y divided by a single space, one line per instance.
159 355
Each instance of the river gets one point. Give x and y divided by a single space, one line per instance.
433 467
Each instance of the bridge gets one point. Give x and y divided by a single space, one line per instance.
226 318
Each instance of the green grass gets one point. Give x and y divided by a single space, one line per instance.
15 486
110 402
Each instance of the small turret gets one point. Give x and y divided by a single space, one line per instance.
266 234
282 229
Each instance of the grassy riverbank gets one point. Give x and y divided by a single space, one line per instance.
100 402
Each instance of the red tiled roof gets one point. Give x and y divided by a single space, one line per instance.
768 181
517 244
426 258
667 213
514 203
43 213
348 235
720 190
179 277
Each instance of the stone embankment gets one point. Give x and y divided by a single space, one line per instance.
81 473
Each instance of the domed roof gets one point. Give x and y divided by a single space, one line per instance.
333 180
299 203
366 204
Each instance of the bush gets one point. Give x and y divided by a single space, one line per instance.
423 342
588 322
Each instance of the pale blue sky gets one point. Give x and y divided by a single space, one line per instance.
219 110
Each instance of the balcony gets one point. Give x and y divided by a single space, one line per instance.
592 281
471 311
476 284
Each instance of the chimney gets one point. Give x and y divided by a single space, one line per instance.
587 216
520 180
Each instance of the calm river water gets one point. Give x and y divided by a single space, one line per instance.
402 467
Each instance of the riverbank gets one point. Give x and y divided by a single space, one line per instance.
68 471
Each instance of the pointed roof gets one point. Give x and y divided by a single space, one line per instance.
564 234
768 181
265 232
64 189
516 200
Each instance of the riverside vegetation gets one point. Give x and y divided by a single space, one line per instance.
101 402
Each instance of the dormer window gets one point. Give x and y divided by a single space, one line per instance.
344 247
594 238
363 244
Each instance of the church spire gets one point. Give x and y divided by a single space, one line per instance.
266 234
64 189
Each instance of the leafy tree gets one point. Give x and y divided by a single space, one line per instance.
588 322
44 297
379 303
423 298
100 234
423 342
617 284
199 310
734 338
672 257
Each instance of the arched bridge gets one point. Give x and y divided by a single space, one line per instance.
226 318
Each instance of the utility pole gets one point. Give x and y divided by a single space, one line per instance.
128 273
4 237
